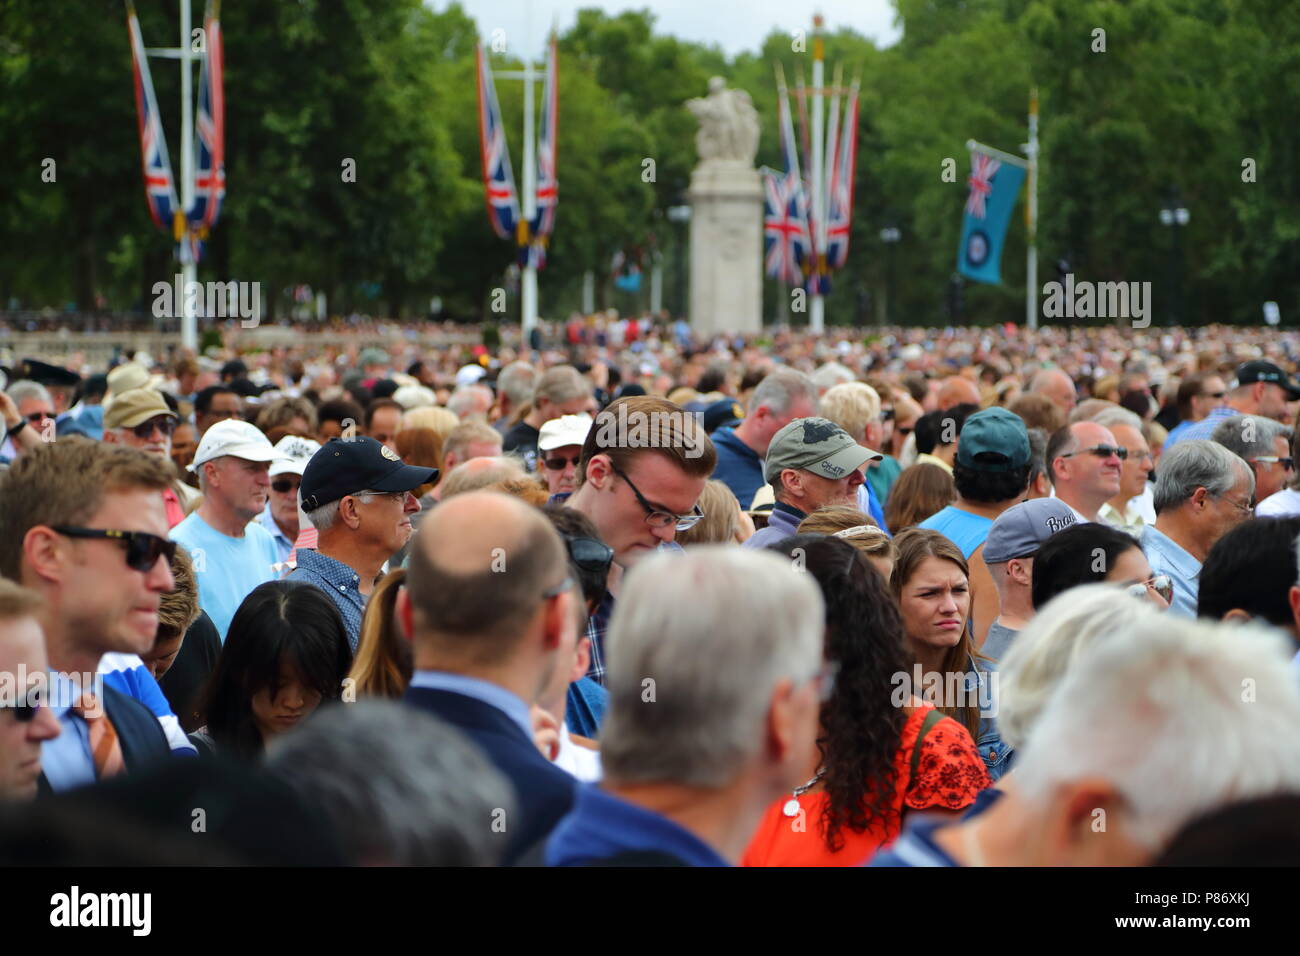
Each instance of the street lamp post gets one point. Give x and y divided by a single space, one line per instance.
890 236
1175 215
680 216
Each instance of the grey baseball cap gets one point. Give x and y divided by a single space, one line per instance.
1021 530
816 445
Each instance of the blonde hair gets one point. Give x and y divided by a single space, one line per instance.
721 515
17 602
433 417
852 406
383 665
855 527
528 489
179 607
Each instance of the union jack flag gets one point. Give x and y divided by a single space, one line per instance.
498 178
840 215
785 227
548 187
983 169
159 187
209 147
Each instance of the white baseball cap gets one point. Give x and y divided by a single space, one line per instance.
235 438
294 454
470 374
562 431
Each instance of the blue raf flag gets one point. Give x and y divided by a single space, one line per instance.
994 187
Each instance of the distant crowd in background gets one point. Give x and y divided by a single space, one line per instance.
908 598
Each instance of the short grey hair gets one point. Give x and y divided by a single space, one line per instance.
463 401
25 388
516 382
560 384
1047 648
780 390
695 649
831 374
1158 710
1195 463
1110 417
1231 434
400 787
322 518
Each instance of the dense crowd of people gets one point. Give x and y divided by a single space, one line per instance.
618 596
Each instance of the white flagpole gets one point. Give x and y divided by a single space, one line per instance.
189 323
816 313
1031 217
529 284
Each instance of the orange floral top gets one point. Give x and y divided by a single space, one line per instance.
949 775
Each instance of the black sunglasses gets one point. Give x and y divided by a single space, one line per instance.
35 417
23 713
142 548
1101 451
589 554
284 485
163 423
557 464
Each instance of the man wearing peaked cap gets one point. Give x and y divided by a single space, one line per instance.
357 494
1260 388
142 419
811 463
281 515
1008 552
559 448
232 553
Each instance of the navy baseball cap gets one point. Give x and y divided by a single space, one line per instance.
1259 371
346 466
719 414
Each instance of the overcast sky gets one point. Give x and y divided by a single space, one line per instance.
734 25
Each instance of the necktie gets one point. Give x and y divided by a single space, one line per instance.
105 748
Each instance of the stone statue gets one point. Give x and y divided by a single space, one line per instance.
728 124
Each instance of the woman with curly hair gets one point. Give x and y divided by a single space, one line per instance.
881 752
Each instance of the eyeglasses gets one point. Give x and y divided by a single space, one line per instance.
35 417
23 713
657 517
886 414
397 497
1213 394
1288 464
162 423
285 485
903 429
1137 454
1101 451
589 554
1245 507
557 464
1162 584
142 549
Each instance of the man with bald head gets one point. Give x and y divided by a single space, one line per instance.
1084 462
1057 387
491 612
957 391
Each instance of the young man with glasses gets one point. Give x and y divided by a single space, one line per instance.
357 495
1084 462
232 553
644 466
140 418
24 723
83 525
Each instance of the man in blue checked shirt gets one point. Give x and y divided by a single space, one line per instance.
357 494
644 466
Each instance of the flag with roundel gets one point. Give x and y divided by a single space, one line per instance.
994 188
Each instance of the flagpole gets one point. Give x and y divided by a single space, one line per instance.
1031 217
528 286
189 269
816 315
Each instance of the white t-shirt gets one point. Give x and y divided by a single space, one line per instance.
578 761
1282 504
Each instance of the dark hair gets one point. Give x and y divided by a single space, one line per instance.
1193 386
1139 403
714 377
339 410
234 369
1069 558
378 405
203 400
1058 444
1260 832
1037 454
990 486
384 388
279 622
931 427
574 524
1252 567
861 729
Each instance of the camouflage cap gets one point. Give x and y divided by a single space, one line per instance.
816 445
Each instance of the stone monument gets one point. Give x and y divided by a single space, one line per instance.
726 198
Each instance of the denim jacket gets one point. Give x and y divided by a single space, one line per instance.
998 757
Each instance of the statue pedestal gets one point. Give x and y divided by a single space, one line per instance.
726 247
